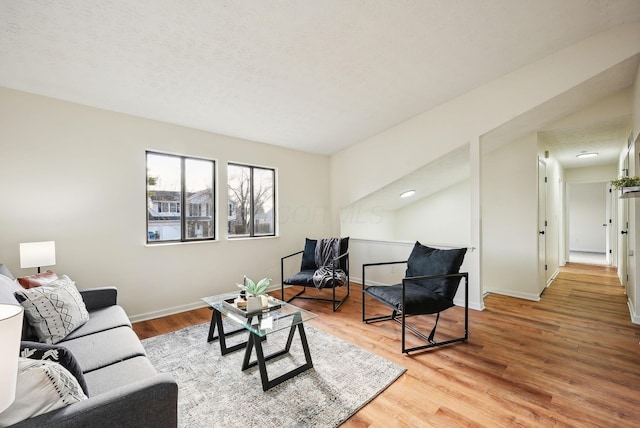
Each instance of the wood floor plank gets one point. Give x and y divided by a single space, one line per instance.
571 359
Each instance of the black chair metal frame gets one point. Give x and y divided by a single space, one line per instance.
335 263
400 316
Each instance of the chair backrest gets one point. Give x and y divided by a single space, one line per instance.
432 261
309 254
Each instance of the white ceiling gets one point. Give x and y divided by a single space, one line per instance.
311 75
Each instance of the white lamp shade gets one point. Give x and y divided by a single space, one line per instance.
36 254
10 332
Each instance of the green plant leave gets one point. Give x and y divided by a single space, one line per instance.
626 182
256 289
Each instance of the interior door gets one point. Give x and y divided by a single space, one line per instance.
623 273
611 250
542 225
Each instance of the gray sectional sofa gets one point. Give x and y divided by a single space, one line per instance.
123 388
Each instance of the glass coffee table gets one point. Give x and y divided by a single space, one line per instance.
277 317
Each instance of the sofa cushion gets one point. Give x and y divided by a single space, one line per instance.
417 300
57 354
38 280
119 374
95 351
42 386
304 277
54 310
101 320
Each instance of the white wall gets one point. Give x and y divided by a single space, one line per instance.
366 221
634 214
591 174
587 215
636 107
76 175
443 217
510 219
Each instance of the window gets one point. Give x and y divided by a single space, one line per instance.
174 182
251 210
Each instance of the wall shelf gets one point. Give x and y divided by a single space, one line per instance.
630 192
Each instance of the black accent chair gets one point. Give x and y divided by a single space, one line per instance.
304 278
430 284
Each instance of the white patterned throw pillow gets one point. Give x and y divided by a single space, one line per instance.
54 310
42 386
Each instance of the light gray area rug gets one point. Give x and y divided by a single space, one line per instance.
214 392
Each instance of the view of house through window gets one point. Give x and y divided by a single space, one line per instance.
180 198
251 209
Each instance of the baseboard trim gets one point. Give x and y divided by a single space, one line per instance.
166 312
526 296
634 316
182 308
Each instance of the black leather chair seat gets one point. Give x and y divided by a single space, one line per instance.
418 299
305 278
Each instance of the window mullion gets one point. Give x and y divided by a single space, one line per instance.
183 200
251 204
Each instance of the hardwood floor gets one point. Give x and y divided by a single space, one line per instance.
570 360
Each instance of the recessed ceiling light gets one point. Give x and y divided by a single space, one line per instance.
407 193
586 155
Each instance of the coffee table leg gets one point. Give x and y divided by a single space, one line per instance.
216 321
261 359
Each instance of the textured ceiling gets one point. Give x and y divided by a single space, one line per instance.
606 139
311 75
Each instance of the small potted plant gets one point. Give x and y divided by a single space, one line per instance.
627 185
255 293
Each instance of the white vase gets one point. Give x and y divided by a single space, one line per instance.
254 303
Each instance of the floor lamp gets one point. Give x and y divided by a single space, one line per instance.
10 332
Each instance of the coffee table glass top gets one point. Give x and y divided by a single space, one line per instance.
263 323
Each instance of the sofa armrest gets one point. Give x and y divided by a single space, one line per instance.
151 403
96 298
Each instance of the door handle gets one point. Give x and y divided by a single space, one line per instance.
541 232
622 232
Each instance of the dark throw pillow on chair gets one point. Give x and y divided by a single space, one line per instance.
309 255
432 261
